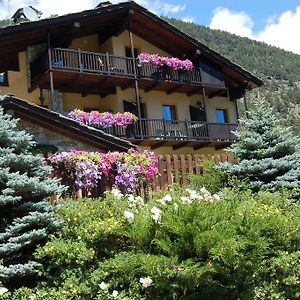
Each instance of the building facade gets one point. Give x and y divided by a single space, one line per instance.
90 61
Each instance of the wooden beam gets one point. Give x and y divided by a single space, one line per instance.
127 86
194 91
95 88
85 90
157 145
114 29
65 37
152 86
222 146
218 93
181 145
200 146
173 89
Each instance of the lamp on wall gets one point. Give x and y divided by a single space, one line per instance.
200 104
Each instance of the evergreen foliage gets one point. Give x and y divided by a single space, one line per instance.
26 218
5 22
268 153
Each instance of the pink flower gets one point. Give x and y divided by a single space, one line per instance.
171 62
104 120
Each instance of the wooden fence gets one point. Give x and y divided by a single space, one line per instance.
176 169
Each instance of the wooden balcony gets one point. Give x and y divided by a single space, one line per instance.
156 133
98 73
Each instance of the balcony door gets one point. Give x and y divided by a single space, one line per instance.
129 55
132 108
136 130
197 114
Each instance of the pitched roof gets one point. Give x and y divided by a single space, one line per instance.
64 125
111 18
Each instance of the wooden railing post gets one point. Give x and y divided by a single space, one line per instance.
187 130
108 63
79 60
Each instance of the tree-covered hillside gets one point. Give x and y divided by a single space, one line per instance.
4 22
279 69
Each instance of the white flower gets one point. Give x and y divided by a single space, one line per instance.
185 200
161 201
146 282
139 200
103 286
115 294
3 290
131 198
175 206
167 198
217 197
129 216
195 196
117 193
156 214
204 190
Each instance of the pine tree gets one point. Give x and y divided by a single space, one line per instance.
26 217
268 153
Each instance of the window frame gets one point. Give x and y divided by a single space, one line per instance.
174 112
225 115
5 82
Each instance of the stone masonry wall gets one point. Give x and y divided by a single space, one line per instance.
44 136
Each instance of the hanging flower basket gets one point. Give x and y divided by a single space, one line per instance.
103 120
164 61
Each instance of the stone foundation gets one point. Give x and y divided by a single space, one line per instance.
44 136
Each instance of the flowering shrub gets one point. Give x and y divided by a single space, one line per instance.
104 120
229 245
160 61
86 169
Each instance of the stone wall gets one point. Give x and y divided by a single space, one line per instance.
44 136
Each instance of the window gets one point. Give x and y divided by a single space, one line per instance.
197 114
129 53
169 112
222 116
132 107
3 78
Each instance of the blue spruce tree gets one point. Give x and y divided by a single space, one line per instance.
268 153
26 217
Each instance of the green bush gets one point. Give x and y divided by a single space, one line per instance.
187 245
214 179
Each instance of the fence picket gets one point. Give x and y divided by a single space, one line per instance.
197 163
183 169
176 169
190 164
169 170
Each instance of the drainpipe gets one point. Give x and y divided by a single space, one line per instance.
51 104
136 84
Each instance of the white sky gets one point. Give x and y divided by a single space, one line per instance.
282 31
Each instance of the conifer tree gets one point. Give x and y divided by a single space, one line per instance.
268 153
26 217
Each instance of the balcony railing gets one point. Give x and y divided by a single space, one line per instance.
176 130
106 64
